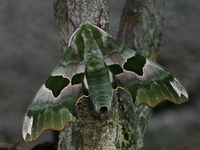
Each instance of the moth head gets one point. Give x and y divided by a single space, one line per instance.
76 39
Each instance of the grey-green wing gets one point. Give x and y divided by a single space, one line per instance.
147 81
53 104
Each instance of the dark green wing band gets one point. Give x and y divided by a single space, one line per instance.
40 118
154 86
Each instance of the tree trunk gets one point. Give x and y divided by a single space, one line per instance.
124 126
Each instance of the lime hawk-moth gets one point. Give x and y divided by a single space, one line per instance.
95 65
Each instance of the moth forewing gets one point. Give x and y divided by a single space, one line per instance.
147 81
151 84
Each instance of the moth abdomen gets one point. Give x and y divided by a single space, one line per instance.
100 89
102 104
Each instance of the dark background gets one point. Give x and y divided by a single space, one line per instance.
30 49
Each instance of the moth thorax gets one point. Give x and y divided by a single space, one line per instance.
95 69
94 60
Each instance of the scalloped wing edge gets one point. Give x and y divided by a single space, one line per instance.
32 129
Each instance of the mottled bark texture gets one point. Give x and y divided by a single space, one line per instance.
140 26
123 127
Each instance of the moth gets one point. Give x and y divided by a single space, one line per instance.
94 65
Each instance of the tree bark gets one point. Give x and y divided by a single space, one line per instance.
140 29
141 25
124 126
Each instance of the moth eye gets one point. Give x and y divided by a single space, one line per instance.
135 64
56 84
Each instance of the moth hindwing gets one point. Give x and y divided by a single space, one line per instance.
95 65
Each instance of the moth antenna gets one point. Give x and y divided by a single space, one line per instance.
73 25
99 18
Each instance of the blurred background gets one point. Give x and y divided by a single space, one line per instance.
30 49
